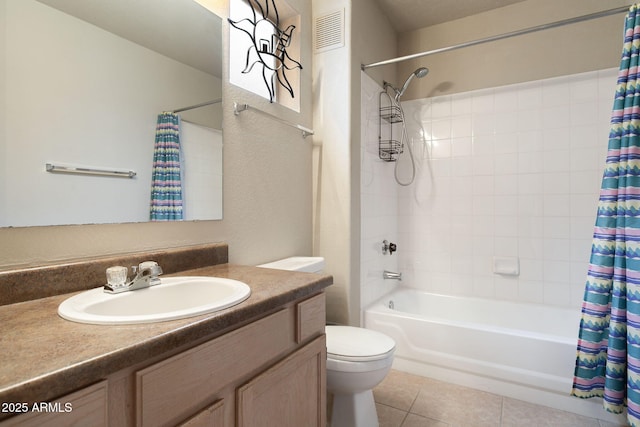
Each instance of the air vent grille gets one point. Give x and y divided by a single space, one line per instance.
329 32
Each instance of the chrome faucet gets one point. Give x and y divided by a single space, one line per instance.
386 274
146 275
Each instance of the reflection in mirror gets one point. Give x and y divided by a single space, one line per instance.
83 84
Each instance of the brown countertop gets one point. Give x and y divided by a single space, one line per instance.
44 356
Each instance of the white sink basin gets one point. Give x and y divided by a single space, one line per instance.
174 298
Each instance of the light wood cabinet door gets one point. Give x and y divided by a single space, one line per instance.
292 393
212 416
85 407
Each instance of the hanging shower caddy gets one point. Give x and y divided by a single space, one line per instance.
388 148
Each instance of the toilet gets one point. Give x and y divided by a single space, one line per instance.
358 359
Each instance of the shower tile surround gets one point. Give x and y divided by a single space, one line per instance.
512 171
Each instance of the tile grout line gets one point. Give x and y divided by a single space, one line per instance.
419 415
408 411
406 414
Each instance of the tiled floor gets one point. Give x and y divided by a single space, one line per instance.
405 400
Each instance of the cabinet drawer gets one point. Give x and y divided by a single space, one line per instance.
86 407
171 390
311 318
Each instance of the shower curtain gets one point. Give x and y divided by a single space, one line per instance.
608 352
166 182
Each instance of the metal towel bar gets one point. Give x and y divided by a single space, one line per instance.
239 108
89 171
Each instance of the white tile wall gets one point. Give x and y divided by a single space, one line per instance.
513 171
510 171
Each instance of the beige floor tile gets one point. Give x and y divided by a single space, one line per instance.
458 405
399 389
414 420
433 403
516 413
390 417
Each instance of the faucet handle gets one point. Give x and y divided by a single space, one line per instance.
117 276
147 264
388 247
149 268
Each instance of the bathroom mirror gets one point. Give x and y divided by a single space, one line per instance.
83 83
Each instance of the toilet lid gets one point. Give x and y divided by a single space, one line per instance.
351 343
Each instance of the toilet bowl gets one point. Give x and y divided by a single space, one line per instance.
358 359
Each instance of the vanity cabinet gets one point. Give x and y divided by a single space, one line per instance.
269 372
87 406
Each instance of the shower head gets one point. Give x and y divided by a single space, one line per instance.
419 73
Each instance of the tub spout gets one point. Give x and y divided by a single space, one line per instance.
391 275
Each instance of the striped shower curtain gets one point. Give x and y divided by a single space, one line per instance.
608 354
166 183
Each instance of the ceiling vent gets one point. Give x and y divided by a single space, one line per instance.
329 31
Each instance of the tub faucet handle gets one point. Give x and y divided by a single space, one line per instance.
388 247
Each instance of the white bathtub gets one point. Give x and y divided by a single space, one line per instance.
524 351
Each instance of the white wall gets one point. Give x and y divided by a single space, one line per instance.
202 174
569 49
509 171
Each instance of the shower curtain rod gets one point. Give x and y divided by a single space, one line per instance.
192 107
577 19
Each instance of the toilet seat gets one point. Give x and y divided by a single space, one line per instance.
351 344
358 359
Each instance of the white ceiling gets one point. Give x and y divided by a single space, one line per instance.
409 15
180 29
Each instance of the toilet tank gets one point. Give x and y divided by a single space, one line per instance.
309 264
